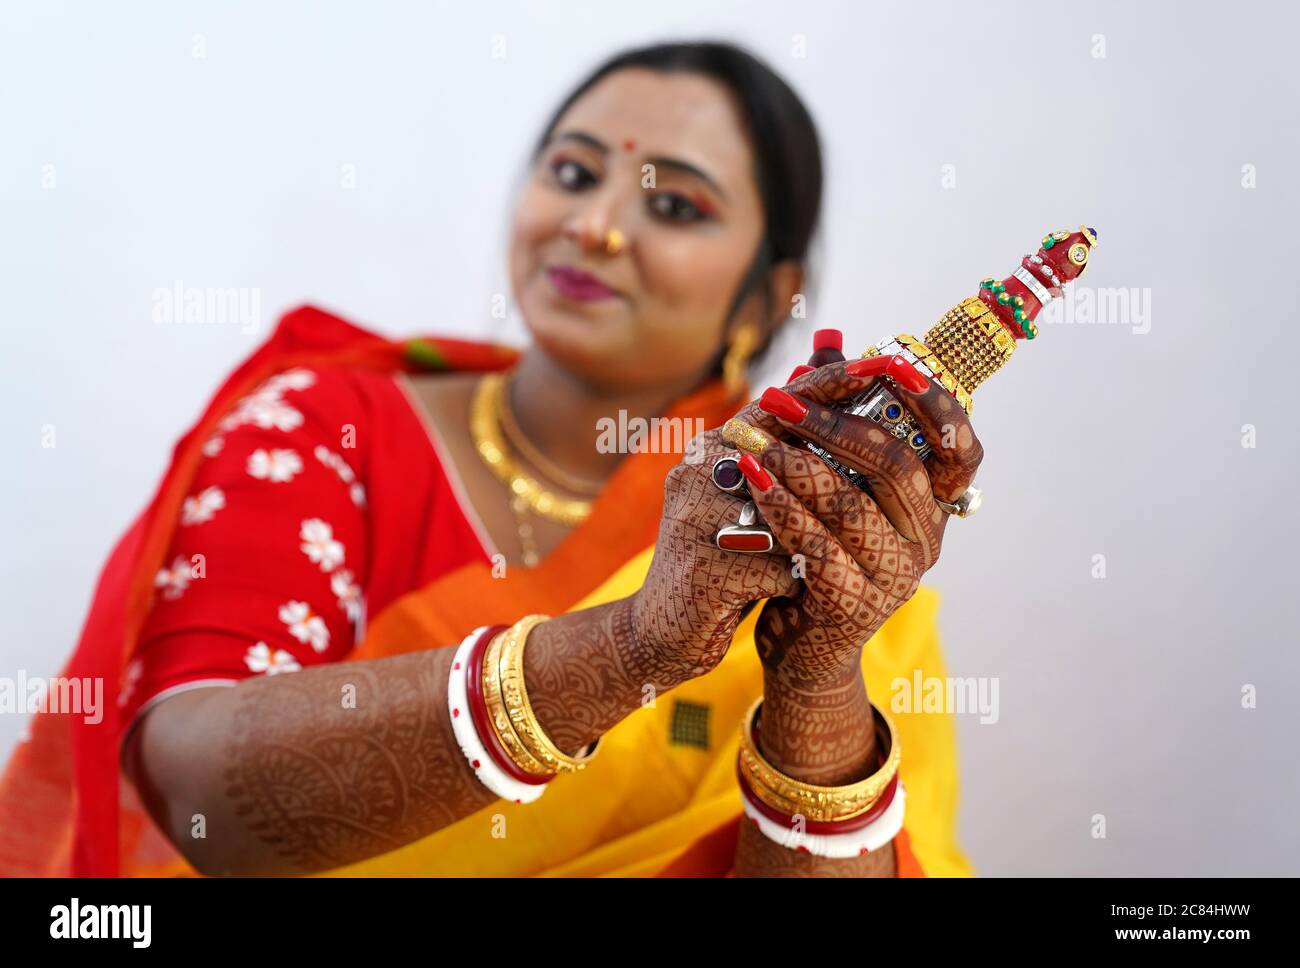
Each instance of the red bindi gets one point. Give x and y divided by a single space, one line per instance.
629 144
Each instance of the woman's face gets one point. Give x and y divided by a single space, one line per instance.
665 160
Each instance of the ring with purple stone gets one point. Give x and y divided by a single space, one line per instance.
727 476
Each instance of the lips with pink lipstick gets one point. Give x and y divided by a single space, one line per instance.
579 285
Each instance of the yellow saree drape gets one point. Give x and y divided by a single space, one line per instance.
666 774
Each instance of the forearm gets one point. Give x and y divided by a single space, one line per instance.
821 734
587 670
334 764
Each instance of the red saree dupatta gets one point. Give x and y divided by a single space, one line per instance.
59 795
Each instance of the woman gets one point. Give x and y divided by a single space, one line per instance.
349 508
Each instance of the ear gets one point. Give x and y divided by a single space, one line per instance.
786 281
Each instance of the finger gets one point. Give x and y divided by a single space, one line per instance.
837 381
823 492
840 588
848 513
955 451
898 480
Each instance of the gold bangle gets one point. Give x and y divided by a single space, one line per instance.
499 715
514 695
820 803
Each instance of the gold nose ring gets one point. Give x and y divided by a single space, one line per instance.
613 242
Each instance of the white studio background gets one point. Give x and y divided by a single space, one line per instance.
362 156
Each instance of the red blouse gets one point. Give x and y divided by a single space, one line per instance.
321 498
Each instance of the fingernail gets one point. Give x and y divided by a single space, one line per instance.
907 375
780 404
828 339
754 473
868 366
799 371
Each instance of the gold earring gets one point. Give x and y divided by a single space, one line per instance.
734 363
613 242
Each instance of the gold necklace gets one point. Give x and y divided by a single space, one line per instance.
520 442
491 446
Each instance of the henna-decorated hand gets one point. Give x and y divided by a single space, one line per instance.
863 555
695 594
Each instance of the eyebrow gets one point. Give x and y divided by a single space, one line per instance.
661 162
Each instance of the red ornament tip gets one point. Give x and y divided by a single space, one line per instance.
828 339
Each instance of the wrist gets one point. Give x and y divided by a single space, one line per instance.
666 654
799 651
820 732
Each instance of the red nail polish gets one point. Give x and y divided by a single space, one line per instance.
868 366
780 404
799 371
754 473
907 375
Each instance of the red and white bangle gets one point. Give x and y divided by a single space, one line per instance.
853 839
491 772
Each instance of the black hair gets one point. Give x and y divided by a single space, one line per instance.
788 158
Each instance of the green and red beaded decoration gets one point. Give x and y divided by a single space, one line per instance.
1018 298
1014 303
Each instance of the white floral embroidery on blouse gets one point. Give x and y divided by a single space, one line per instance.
330 459
213 446
277 466
201 507
130 681
348 593
320 545
298 379
265 406
307 628
174 579
259 658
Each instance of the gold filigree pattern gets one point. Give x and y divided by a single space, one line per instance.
970 343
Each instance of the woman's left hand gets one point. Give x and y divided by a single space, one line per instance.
862 555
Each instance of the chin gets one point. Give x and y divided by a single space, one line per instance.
579 345
586 339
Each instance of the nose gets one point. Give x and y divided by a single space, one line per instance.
593 225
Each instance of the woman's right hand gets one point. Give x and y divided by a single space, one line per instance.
695 593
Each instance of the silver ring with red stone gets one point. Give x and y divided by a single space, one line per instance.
727 475
747 535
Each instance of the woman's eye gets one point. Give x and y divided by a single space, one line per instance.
572 175
676 208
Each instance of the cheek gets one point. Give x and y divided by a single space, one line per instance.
536 218
692 280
